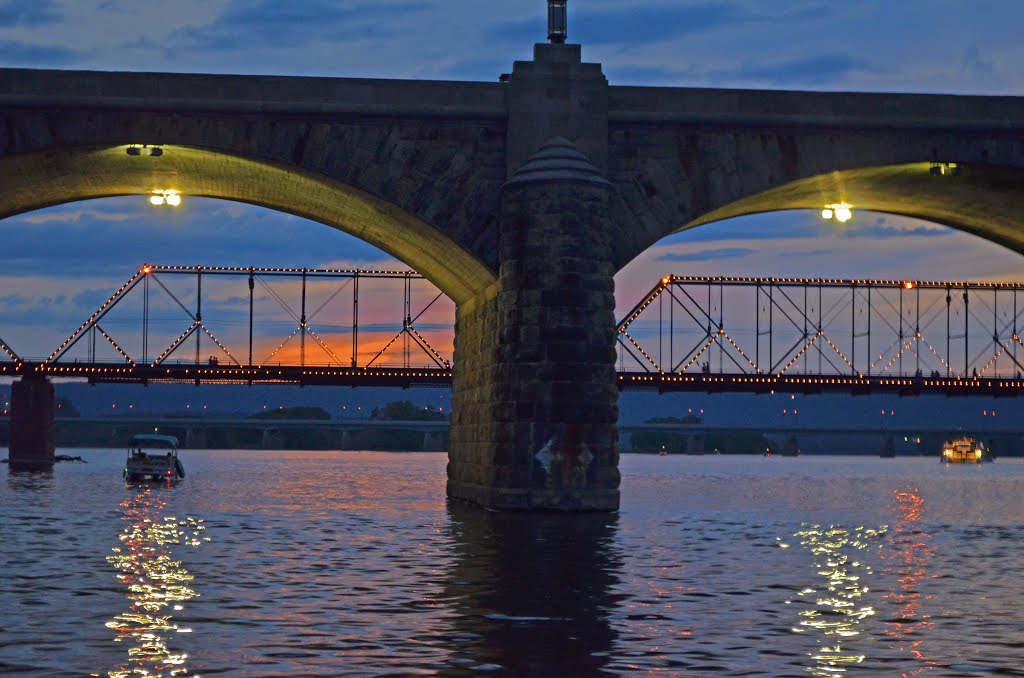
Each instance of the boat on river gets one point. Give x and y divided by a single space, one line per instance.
153 457
964 450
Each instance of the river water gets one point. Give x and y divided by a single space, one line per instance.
351 563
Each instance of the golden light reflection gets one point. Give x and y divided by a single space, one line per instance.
155 583
835 609
909 554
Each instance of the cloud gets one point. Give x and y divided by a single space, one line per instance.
822 69
21 54
974 65
650 75
281 25
75 213
14 13
116 235
891 231
708 255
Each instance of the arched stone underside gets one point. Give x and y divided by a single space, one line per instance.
426 191
983 200
49 178
676 179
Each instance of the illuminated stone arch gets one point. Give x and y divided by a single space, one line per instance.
982 200
670 181
426 194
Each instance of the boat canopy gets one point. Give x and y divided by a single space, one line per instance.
142 438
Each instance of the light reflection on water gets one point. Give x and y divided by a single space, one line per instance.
835 610
352 563
908 558
156 584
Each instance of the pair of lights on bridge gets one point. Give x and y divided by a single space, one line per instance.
841 212
144 149
944 169
165 197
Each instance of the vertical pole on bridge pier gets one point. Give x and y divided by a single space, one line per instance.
407 322
771 329
820 351
917 334
199 308
302 324
711 337
661 329
671 327
721 325
853 324
967 358
805 286
949 356
145 319
252 284
757 325
355 319
868 351
900 354
995 329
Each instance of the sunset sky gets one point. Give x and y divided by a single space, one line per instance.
61 263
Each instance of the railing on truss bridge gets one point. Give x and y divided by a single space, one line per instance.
759 333
150 279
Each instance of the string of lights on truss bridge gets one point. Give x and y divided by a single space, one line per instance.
955 383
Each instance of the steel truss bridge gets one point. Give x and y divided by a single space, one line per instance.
814 335
714 334
162 308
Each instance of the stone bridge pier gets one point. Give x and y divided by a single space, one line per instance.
273 439
433 441
195 438
535 401
32 434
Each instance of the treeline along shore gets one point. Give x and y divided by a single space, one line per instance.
398 426
402 426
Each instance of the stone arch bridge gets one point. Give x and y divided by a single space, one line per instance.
519 198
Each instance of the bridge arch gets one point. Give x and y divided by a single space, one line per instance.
921 162
61 175
983 200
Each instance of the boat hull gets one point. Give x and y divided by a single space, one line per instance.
964 451
154 469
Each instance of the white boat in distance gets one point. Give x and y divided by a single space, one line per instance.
160 463
964 450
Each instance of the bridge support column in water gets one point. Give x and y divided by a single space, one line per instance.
536 401
32 433
433 441
273 439
195 439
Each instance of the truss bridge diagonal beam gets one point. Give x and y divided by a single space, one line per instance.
882 321
228 311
